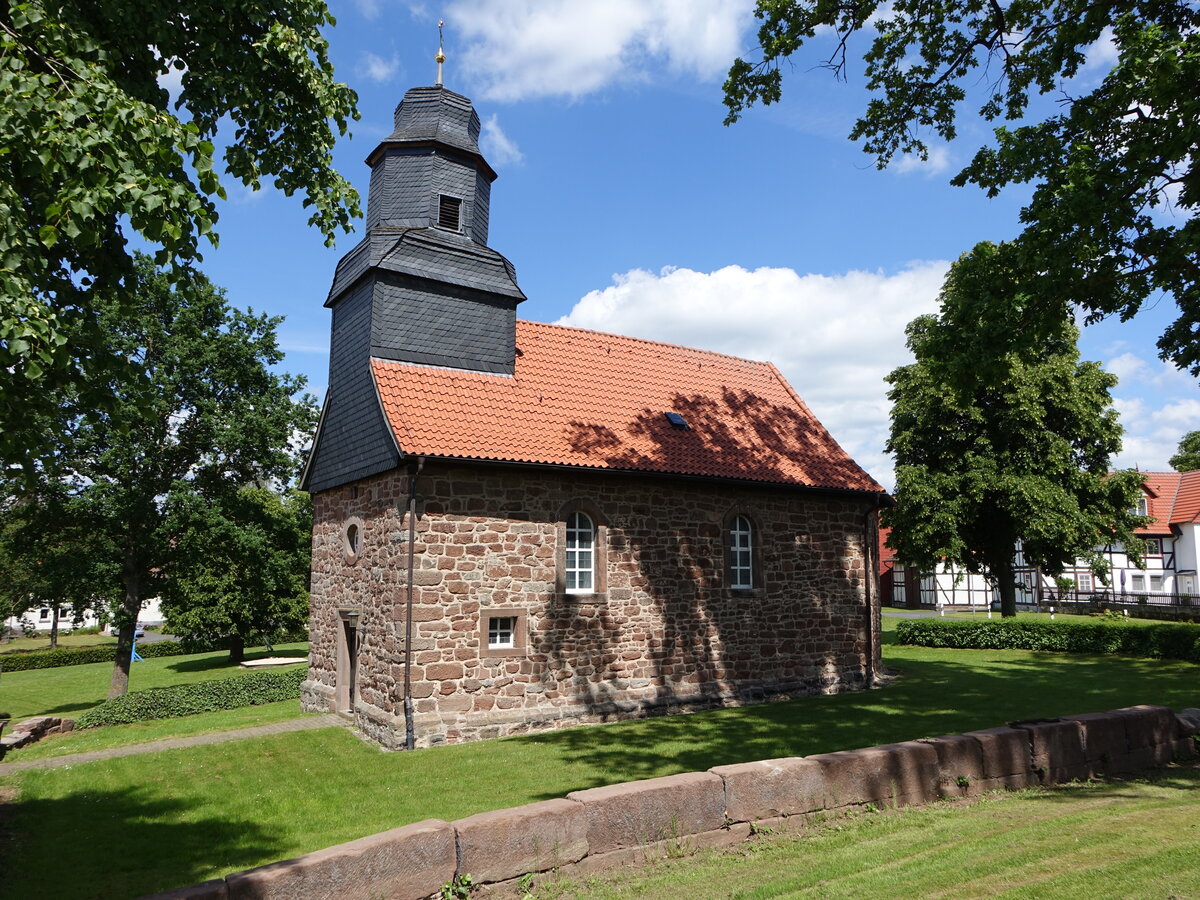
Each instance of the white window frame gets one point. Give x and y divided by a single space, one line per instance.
580 568
1084 581
502 632
1160 586
1137 583
741 553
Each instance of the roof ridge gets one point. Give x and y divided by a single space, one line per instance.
641 340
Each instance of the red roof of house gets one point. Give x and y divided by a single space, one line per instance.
594 400
1174 498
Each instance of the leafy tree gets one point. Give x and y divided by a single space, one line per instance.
1105 162
996 441
209 416
50 556
95 151
240 566
1187 457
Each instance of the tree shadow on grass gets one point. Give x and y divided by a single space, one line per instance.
209 663
931 698
138 842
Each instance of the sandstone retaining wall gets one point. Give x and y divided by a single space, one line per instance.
621 823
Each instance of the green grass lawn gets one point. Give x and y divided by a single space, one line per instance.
153 822
139 733
1126 839
42 642
69 690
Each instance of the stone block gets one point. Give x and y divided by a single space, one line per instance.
899 774
1056 749
771 788
1104 743
404 864
1006 758
507 843
960 765
642 812
1148 726
1184 749
1189 721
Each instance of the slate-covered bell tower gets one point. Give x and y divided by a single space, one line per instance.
422 287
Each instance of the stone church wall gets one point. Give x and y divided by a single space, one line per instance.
661 634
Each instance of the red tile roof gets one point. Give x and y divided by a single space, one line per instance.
1174 498
583 398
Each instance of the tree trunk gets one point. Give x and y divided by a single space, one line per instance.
1006 581
237 648
53 626
126 625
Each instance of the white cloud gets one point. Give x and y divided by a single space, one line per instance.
498 147
377 68
937 160
1153 430
1102 54
369 9
834 337
536 48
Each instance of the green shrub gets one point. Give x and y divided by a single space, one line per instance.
251 689
1166 641
23 660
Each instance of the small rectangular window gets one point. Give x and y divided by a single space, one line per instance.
1153 546
1085 581
1156 582
1138 582
502 632
449 212
45 614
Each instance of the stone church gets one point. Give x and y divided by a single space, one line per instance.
522 526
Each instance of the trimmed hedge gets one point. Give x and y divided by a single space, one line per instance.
237 691
1167 641
23 660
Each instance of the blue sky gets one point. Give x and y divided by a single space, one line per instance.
627 206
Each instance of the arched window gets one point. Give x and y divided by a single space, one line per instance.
741 554
581 554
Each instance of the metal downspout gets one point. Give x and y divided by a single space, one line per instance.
871 574
413 472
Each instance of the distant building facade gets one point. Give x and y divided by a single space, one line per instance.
1168 579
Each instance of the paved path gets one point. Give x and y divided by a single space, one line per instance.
307 723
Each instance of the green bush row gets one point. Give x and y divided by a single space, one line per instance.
237 691
22 660
1166 641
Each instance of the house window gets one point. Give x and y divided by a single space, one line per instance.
1085 581
502 632
449 212
1153 546
1141 508
1138 582
741 560
1156 582
44 614
581 554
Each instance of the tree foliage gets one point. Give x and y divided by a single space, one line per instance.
209 417
240 566
95 151
996 441
1187 457
1114 155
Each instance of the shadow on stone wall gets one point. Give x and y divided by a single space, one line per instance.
705 646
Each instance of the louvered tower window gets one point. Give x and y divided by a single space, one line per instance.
450 212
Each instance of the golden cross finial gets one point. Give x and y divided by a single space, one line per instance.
441 54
